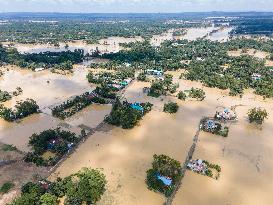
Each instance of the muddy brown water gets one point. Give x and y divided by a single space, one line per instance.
47 89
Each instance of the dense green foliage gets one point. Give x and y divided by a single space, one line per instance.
57 60
56 141
209 63
4 96
163 166
171 107
257 115
72 106
85 187
197 93
181 95
22 110
163 87
6 187
124 115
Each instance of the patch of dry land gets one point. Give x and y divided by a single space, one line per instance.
245 156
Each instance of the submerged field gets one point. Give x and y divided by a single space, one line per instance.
124 156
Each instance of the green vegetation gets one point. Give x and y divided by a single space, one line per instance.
181 95
56 142
214 127
123 114
6 187
85 187
4 96
170 107
72 106
142 77
166 167
163 87
197 93
7 147
257 115
57 60
22 110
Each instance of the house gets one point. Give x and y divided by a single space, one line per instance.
39 69
166 180
154 72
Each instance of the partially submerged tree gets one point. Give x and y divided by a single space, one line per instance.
257 115
171 107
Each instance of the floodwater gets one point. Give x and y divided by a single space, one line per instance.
126 155
195 33
47 89
111 44
221 35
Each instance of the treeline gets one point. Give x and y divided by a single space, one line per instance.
22 110
205 61
253 26
84 187
63 31
59 60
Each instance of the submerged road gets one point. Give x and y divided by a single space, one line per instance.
184 168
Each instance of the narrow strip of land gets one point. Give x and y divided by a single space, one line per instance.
184 168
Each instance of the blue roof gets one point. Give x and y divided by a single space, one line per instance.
137 107
165 180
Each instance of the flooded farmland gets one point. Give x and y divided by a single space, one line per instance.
124 156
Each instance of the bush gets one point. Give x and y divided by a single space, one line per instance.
142 77
257 115
6 187
181 95
197 93
171 107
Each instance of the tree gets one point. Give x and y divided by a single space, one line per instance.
181 95
171 107
257 115
88 185
48 199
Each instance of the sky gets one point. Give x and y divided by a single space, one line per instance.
133 6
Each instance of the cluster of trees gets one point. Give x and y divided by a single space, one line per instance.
205 61
6 187
171 107
214 127
211 166
166 167
163 87
5 96
58 60
257 115
124 115
84 187
110 77
22 110
197 93
69 30
253 25
72 106
56 141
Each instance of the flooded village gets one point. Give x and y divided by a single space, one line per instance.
243 155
